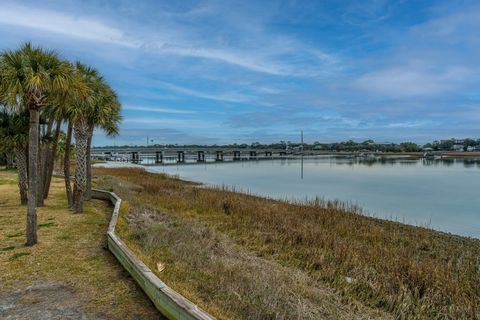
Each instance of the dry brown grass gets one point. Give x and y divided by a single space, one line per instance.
222 277
408 272
70 251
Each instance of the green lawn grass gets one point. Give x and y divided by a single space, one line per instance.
70 251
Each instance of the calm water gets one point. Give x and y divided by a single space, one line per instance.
442 194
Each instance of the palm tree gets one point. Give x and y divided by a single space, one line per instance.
46 124
66 164
13 139
65 110
57 113
97 106
80 112
104 115
50 158
29 78
21 157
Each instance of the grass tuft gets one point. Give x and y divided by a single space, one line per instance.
4 180
14 235
46 225
19 254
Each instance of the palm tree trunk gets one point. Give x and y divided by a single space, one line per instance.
81 141
44 151
51 160
88 191
9 158
21 160
32 176
40 171
66 165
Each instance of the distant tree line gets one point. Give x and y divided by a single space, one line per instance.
454 144
344 146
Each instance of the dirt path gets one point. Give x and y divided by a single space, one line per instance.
44 300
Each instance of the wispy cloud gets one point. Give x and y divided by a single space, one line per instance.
244 59
178 42
177 123
157 109
408 81
453 27
62 23
226 96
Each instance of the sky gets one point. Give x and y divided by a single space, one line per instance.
213 72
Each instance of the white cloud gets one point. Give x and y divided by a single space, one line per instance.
157 109
237 59
175 123
412 81
408 124
228 96
459 26
62 23
264 57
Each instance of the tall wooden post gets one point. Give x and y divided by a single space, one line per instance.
158 157
219 156
181 156
236 155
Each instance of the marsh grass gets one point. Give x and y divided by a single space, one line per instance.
409 272
222 277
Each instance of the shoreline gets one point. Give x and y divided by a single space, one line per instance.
352 207
362 258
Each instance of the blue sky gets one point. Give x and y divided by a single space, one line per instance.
244 71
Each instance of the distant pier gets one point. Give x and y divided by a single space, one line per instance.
182 155
167 156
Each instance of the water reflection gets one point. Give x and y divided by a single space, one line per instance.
440 193
369 162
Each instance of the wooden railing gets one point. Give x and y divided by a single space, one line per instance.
171 304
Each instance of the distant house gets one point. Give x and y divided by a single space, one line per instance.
457 147
472 148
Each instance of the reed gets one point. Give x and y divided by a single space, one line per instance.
366 266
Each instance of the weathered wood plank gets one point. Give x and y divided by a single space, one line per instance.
170 303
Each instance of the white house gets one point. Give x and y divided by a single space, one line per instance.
457 147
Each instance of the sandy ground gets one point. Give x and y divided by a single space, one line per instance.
116 164
43 300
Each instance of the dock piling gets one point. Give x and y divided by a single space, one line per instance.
158 157
236 155
219 156
181 156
